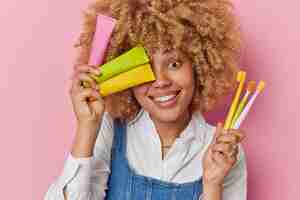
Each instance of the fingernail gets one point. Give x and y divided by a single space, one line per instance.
85 84
97 72
220 125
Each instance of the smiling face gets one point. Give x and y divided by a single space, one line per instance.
167 98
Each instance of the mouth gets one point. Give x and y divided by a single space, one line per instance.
166 101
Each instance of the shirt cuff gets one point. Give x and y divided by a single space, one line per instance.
76 173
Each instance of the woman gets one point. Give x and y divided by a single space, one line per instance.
152 141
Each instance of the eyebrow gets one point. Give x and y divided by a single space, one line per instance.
167 50
171 52
174 55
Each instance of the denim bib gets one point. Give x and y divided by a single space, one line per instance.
125 184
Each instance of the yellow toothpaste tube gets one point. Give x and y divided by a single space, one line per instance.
136 76
123 63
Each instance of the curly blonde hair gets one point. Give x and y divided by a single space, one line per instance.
205 30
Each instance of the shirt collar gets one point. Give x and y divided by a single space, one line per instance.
136 118
196 123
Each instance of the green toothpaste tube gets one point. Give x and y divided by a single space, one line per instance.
133 58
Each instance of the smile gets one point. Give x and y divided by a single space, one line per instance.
167 100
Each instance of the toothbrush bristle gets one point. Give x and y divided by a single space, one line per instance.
251 86
261 86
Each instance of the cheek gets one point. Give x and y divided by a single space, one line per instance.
190 81
189 88
191 78
186 79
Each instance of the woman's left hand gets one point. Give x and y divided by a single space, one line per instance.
221 155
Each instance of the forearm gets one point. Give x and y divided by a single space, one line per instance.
212 192
84 141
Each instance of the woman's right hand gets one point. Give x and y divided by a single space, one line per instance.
88 107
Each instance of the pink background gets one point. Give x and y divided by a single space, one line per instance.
37 123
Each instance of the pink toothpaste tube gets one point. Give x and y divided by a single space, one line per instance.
104 29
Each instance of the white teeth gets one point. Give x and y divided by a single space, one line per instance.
164 98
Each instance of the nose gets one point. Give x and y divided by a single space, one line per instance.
162 80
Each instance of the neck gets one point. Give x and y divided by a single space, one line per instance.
169 131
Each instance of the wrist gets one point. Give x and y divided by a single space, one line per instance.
87 125
212 181
212 186
212 191
84 140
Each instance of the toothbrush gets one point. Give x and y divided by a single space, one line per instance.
250 89
241 77
260 87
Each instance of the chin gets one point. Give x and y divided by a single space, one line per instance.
166 115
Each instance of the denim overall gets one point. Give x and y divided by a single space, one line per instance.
125 184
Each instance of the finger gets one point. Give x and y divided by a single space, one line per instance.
235 152
219 158
218 132
238 133
209 155
223 159
88 69
84 94
95 95
79 79
225 148
232 152
98 104
76 66
228 138
231 157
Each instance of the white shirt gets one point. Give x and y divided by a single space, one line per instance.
86 178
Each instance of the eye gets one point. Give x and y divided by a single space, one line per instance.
174 65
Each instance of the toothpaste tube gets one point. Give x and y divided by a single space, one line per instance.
139 75
104 29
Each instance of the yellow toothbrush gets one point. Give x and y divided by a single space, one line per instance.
241 77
